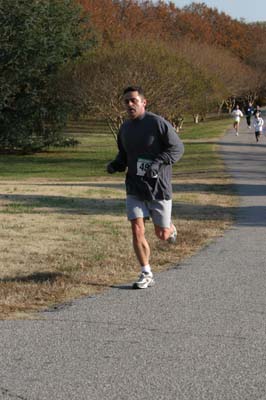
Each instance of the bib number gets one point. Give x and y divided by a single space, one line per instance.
142 165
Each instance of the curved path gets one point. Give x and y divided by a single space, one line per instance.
200 333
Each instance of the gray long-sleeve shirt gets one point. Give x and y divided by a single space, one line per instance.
141 141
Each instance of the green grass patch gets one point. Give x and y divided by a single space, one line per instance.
209 129
89 159
79 163
200 148
198 157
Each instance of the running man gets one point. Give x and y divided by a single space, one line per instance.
249 112
237 114
148 145
257 110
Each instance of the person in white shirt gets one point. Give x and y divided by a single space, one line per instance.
258 125
237 114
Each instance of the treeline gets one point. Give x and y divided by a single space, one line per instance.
191 60
118 20
73 57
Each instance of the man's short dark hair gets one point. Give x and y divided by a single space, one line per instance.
134 89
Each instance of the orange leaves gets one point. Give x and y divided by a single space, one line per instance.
234 43
118 20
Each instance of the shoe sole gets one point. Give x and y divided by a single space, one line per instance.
171 240
144 286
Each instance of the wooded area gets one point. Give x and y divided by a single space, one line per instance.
191 60
72 58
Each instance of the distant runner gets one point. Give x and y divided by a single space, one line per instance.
258 125
237 114
249 111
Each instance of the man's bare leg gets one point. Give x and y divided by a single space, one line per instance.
142 251
140 244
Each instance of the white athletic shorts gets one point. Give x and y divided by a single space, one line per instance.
158 210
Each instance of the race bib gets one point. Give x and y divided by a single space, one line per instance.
142 165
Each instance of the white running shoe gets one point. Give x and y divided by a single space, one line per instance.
145 280
236 133
173 236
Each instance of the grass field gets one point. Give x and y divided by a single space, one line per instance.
64 230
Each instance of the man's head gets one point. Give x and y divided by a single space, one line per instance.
135 102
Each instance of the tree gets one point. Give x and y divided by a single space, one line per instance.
95 85
204 24
118 20
37 38
211 44
226 75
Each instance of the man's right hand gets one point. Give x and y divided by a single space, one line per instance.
110 169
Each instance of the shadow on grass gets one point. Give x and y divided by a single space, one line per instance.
234 144
62 204
223 189
226 189
36 277
249 215
112 185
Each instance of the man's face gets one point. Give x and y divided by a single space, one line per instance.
135 104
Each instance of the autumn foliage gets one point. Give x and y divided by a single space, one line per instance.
199 59
131 19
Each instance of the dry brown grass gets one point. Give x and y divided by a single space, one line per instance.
63 240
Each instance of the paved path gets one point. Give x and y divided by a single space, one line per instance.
199 334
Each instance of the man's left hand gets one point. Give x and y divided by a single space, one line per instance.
152 171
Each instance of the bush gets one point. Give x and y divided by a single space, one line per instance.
37 38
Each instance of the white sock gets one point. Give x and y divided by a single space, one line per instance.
146 269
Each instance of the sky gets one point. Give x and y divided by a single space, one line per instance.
250 10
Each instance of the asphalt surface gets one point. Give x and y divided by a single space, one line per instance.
198 334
